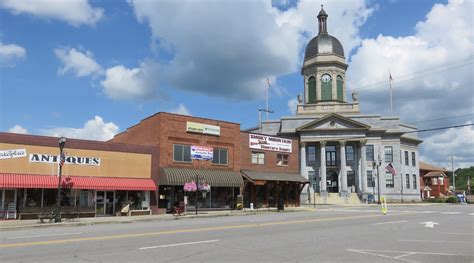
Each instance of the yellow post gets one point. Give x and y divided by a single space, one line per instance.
384 205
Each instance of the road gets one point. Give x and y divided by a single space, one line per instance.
442 233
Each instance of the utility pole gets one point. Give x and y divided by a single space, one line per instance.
452 170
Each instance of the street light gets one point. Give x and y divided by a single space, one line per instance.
62 142
377 164
197 192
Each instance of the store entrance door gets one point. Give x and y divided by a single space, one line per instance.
105 203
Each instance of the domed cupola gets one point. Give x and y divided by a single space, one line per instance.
323 43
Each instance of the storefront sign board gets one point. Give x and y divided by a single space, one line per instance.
46 158
203 128
263 142
13 153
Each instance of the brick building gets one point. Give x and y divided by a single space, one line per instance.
433 181
270 166
190 150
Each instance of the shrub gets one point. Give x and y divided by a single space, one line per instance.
452 199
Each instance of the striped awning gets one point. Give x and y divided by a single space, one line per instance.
271 176
11 180
215 178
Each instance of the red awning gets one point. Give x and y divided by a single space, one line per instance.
8 180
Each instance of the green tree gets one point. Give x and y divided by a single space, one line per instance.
462 174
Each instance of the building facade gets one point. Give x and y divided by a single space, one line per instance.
98 178
433 181
343 151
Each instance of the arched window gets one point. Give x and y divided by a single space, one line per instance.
340 90
326 87
311 90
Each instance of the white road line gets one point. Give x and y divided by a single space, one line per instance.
390 222
453 233
450 213
471 214
429 241
405 255
181 244
50 235
267 219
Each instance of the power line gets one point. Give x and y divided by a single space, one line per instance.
439 119
441 128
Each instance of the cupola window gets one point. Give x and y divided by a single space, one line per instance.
326 87
312 90
340 90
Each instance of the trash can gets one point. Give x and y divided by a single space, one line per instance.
370 198
461 198
281 204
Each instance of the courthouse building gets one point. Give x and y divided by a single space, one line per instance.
345 153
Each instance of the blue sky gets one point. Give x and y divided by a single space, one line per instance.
90 69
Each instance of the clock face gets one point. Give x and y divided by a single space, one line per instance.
326 78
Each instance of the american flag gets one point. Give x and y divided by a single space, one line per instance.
390 76
62 159
390 168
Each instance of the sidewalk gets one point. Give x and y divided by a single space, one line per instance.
19 224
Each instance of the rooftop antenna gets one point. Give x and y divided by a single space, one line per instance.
390 79
267 110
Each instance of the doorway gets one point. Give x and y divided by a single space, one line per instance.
332 183
105 203
8 197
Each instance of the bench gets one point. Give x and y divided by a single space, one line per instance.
178 210
47 214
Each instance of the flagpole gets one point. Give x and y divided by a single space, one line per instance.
390 84
268 88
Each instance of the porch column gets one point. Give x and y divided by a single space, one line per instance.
343 189
323 169
363 165
305 195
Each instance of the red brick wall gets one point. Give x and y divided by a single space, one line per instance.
165 129
270 158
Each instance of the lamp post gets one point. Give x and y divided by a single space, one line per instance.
62 142
377 164
197 192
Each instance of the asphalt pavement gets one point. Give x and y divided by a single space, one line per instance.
443 233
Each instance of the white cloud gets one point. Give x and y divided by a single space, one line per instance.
18 129
94 129
74 12
10 53
82 64
432 72
181 109
457 142
227 48
121 83
292 104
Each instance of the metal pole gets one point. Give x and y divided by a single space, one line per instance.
401 185
378 179
197 192
452 170
62 142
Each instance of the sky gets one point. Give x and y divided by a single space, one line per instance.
91 68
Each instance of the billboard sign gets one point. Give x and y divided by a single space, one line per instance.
268 143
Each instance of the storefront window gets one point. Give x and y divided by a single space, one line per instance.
33 198
261 196
49 197
135 198
221 197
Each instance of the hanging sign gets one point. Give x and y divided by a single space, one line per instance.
263 142
14 153
203 128
201 152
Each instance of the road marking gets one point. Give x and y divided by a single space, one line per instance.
390 222
450 213
266 219
429 241
471 214
429 224
192 230
50 235
453 233
181 244
403 254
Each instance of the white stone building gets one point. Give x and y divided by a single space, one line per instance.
341 149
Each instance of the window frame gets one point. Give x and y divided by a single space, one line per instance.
183 153
352 153
370 179
308 154
406 158
414 182
407 181
369 153
279 155
389 180
388 154
258 154
217 149
413 159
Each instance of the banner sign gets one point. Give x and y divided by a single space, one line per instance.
263 142
203 128
201 153
46 158
14 153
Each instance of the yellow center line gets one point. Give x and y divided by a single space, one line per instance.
72 240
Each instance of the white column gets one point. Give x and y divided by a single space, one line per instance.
305 193
343 173
323 167
363 165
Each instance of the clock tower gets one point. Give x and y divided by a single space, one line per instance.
324 71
